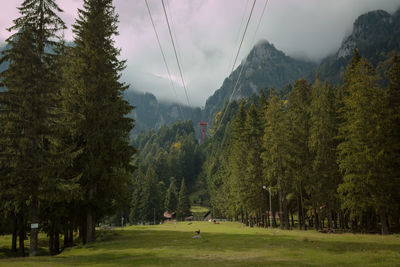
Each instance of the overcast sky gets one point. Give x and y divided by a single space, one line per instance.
207 33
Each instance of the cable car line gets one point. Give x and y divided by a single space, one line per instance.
176 39
254 37
176 55
163 56
237 37
241 70
244 34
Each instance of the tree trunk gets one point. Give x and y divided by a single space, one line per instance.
66 237
303 219
56 243
90 217
316 219
71 236
285 214
274 225
51 242
291 217
329 218
82 229
384 222
281 220
335 220
90 223
14 235
21 226
34 231
299 211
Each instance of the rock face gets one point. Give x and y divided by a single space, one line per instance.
152 114
368 29
375 35
264 67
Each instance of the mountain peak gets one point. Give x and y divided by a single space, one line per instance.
263 50
368 28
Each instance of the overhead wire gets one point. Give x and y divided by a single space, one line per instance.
242 68
176 55
163 56
176 38
237 37
252 42
233 67
244 34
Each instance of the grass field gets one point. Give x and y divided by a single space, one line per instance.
224 244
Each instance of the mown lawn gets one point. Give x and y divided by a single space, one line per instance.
224 244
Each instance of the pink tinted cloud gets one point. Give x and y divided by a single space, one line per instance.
9 12
207 33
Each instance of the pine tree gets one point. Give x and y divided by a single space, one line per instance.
29 104
137 197
183 208
393 129
362 152
237 158
299 103
171 199
151 205
94 96
276 157
254 132
322 143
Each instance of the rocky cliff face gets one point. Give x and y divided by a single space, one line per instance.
375 35
264 67
370 28
152 114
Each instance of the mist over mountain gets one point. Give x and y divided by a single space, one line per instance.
374 35
264 67
149 113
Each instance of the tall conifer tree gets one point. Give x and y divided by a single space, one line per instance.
237 159
362 153
324 180
28 104
171 199
95 95
276 157
299 103
183 208
253 178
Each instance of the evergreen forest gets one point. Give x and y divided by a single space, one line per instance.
312 155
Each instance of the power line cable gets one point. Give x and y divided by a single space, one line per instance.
176 38
244 34
252 42
176 55
234 63
244 66
163 56
237 37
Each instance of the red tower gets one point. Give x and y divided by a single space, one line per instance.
203 131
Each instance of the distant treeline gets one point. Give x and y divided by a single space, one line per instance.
327 157
166 159
65 153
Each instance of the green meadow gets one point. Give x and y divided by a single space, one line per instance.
224 244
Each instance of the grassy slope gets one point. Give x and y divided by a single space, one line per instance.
224 244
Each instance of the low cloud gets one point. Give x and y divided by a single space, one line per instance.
207 35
